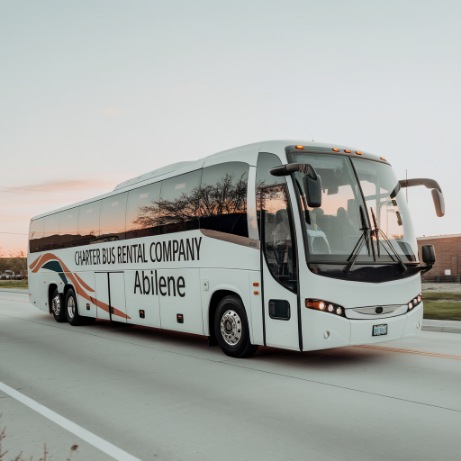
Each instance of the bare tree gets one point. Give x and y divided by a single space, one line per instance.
224 197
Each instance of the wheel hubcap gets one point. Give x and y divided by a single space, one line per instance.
56 305
231 327
71 307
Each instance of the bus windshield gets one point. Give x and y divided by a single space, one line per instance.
363 219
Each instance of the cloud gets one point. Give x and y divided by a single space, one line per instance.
61 186
19 203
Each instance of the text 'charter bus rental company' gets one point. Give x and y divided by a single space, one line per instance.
294 245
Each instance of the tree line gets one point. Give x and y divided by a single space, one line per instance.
16 262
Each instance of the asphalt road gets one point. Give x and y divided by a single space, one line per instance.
134 393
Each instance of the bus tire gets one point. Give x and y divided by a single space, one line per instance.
231 328
71 309
57 306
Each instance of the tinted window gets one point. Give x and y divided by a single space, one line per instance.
68 222
274 219
36 235
178 206
51 232
88 223
223 198
112 218
141 209
173 205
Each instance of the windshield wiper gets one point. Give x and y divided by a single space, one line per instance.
376 233
364 238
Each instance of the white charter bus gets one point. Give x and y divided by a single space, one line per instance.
287 244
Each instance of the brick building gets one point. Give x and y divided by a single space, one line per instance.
447 256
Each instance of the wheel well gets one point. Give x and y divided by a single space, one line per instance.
215 300
67 288
53 287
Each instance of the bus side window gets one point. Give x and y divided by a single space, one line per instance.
88 223
36 235
141 211
177 210
112 220
223 198
68 224
51 231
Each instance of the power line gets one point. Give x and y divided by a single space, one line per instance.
13 233
12 190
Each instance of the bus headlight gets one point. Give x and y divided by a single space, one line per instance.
416 301
325 306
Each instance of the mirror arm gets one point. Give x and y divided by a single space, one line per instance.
427 182
437 194
312 184
426 268
286 170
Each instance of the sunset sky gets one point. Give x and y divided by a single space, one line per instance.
95 92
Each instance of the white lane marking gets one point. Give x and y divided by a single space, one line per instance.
87 436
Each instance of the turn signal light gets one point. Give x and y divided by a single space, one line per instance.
416 301
325 306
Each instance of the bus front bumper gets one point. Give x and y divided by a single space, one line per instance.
325 331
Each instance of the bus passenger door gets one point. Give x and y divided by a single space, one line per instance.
110 296
279 270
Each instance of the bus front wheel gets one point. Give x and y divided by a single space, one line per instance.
231 328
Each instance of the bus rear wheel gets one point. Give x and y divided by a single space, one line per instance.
231 328
71 309
57 307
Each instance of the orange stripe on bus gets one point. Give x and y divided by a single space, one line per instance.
35 263
83 283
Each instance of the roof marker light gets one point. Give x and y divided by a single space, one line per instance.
358 152
348 151
335 149
299 147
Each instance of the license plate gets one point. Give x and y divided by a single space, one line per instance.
380 330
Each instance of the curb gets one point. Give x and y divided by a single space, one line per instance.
23 291
445 326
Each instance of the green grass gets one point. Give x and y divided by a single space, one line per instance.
440 305
439 295
13 284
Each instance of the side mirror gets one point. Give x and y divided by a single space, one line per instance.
428 254
437 195
439 202
312 185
